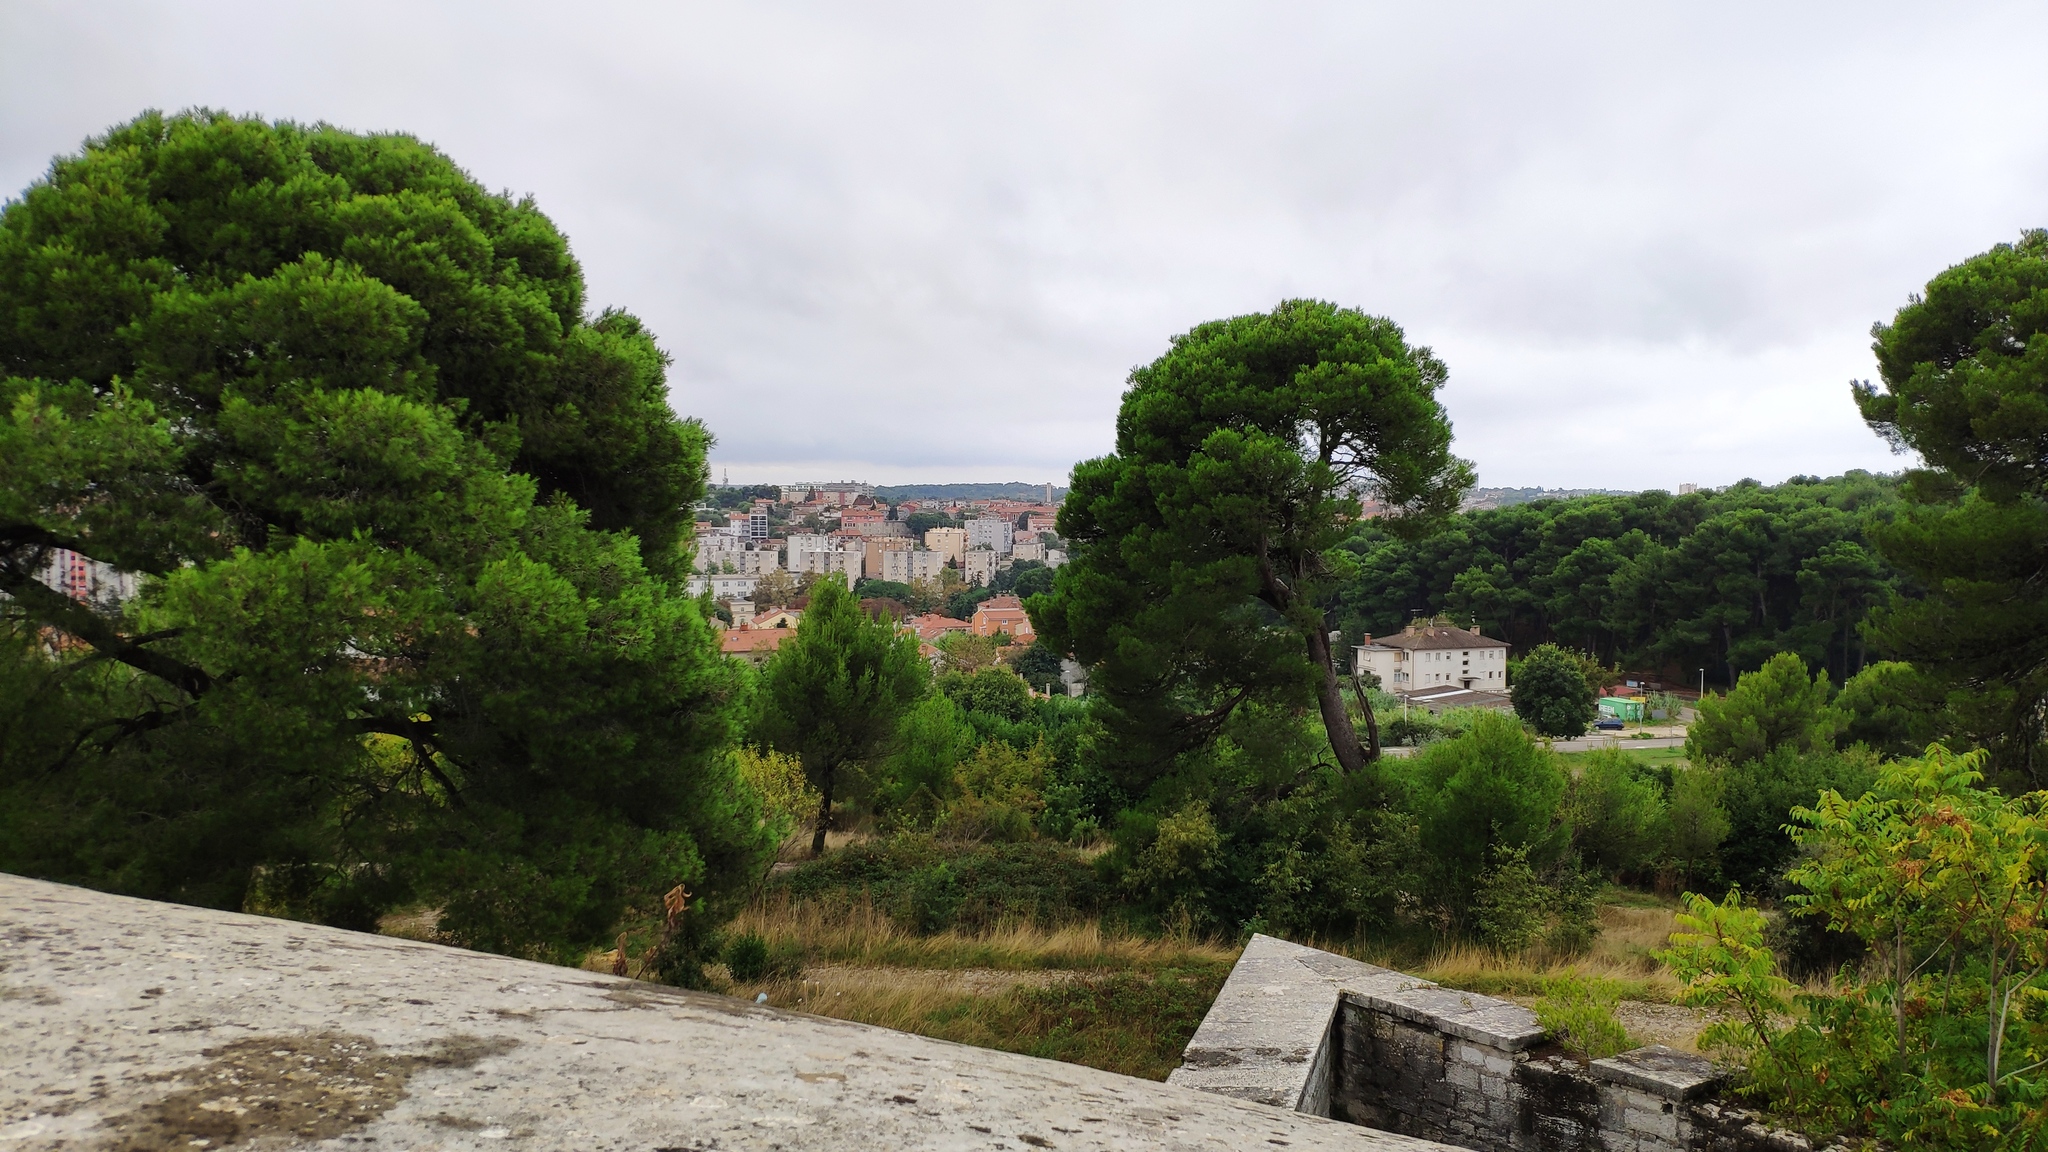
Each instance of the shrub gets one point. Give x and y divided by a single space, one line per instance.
1471 795
746 958
1760 796
1578 1012
928 886
1615 806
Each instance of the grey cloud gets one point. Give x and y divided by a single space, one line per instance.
925 240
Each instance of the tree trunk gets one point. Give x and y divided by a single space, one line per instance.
1330 699
1372 722
824 817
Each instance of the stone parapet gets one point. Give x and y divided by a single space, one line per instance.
127 1024
1301 1028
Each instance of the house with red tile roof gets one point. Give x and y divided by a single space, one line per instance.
1002 614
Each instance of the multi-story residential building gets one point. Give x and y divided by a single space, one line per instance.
849 563
1002 614
799 543
723 586
740 561
86 580
948 542
1432 654
873 548
978 565
1036 522
863 515
995 535
1027 550
906 565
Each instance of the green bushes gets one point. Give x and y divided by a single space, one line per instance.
928 887
1940 1041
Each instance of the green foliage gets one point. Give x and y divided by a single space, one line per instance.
1941 1040
868 588
1012 579
1032 581
1774 707
1198 565
834 694
1720 580
1578 1012
1040 667
921 522
1761 796
1550 692
1616 809
746 958
993 691
1698 820
960 605
1474 796
404 516
1963 386
1889 708
927 886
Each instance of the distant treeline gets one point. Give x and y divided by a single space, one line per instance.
1715 580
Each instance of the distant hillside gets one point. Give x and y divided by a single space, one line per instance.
894 493
1482 498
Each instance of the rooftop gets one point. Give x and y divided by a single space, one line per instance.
1417 637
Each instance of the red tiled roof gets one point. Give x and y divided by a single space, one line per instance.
739 641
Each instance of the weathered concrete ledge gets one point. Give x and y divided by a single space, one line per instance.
132 1025
1323 1034
1269 1035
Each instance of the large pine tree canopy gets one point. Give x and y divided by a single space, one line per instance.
404 516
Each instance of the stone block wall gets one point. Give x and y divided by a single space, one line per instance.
1319 1033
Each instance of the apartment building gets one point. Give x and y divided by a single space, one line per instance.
875 547
906 565
850 563
948 542
1433 654
996 535
1002 614
978 565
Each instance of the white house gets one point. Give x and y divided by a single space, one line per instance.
1430 654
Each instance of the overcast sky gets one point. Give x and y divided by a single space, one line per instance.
895 242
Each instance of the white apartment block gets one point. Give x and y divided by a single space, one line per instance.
839 494
739 561
848 563
1027 550
995 535
979 566
906 565
1429 654
799 543
724 587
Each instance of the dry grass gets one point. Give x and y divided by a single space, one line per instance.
1620 953
1129 1022
861 935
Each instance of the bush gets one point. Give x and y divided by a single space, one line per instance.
1759 798
1578 1012
1616 809
1698 824
927 886
1472 795
746 958
1551 694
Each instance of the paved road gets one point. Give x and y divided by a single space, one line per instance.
1586 744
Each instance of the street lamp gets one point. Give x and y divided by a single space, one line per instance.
1703 683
